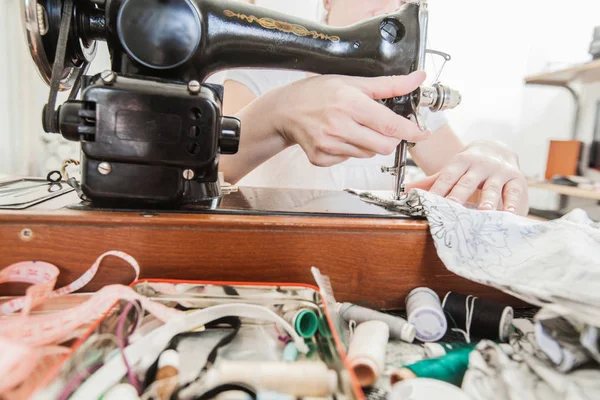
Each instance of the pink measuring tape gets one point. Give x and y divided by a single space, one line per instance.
25 338
43 275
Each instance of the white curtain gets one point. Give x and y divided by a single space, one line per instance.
20 98
25 149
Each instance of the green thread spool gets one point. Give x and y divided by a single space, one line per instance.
451 368
304 321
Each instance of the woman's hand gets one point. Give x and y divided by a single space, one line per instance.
334 118
486 165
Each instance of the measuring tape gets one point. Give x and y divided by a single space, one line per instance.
25 339
43 275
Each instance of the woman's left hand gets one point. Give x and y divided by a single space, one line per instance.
486 165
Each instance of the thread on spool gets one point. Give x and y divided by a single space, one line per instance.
425 313
475 317
168 368
451 368
367 351
302 378
399 327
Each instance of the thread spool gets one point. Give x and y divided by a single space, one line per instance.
479 318
451 368
367 350
304 321
399 327
425 312
168 370
302 378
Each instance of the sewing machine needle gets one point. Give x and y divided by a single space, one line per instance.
401 155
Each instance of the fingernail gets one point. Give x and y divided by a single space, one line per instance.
454 199
511 209
486 207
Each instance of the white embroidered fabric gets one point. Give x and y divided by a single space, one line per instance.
553 264
525 374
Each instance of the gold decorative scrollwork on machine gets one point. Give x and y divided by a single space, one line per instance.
270 23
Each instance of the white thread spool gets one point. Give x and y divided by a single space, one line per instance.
367 350
425 312
399 327
302 379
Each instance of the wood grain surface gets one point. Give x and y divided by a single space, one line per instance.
370 261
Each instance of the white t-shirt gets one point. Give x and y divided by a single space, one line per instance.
292 169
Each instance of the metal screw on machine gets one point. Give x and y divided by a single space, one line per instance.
104 168
108 77
188 174
194 87
390 31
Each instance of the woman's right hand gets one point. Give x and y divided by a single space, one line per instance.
334 118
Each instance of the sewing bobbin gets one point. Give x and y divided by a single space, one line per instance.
367 351
425 312
399 327
304 321
479 318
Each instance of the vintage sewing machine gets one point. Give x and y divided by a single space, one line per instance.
151 134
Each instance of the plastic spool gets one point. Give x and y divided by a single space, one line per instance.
304 321
490 320
425 312
426 389
367 351
399 327
302 378
168 369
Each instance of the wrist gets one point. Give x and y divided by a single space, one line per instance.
281 118
264 116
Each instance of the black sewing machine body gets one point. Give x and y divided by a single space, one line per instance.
151 131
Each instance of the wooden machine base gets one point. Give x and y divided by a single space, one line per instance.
371 261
